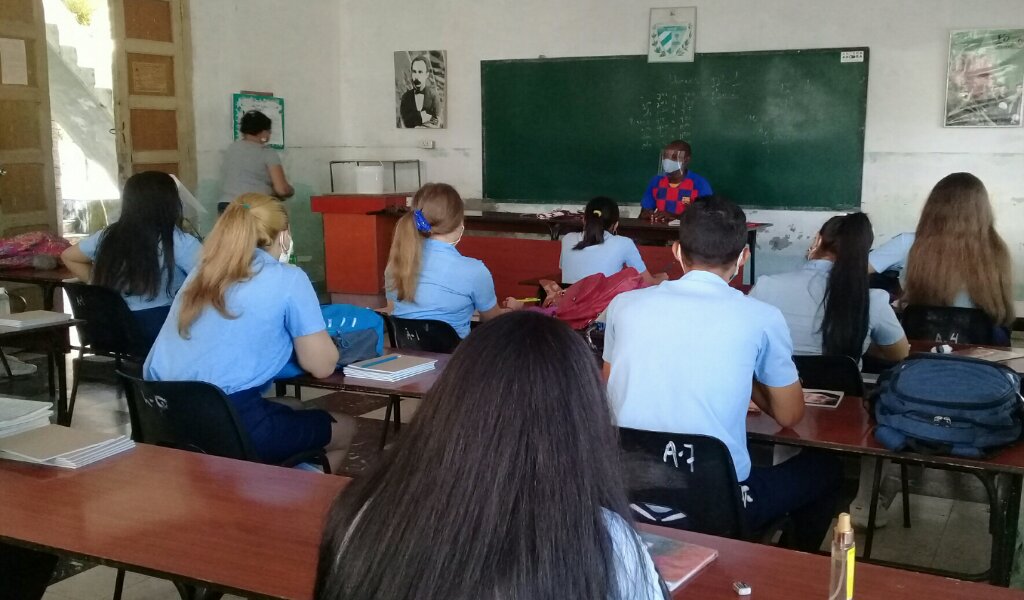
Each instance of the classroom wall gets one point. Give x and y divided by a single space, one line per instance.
291 49
907 149
332 61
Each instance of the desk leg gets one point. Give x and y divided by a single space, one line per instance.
392 404
752 244
7 367
48 290
1004 571
62 384
876 485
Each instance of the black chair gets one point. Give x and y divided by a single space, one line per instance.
686 481
109 330
422 334
837 373
948 324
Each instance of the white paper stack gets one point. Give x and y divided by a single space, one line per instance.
59 446
390 368
33 318
18 415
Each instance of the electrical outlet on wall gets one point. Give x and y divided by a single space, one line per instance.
427 144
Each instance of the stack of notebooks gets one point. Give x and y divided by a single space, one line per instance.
390 368
18 415
33 318
59 446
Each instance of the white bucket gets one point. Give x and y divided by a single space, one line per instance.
370 179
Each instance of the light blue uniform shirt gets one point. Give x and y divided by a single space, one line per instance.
683 354
608 257
450 288
635 574
892 254
800 296
275 306
186 257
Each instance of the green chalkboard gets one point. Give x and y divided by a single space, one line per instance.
779 129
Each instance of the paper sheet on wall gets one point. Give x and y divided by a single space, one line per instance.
13 62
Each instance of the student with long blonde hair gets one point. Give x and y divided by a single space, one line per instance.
958 257
238 319
426 277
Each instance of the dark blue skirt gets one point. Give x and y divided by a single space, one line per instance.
278 432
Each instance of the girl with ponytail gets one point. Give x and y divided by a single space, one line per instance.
426 277
597 249
239 318
828 304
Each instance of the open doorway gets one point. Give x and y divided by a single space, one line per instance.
80 70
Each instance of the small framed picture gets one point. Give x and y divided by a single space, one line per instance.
421 89
673 34
985 78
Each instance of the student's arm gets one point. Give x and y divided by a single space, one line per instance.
888 341
282 189
655 278
317 354
784 404
78 263
482 293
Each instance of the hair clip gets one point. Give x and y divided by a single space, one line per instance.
597 213
422 225
246 206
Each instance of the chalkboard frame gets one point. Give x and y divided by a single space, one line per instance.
849 200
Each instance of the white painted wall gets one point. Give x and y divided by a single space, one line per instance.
333 63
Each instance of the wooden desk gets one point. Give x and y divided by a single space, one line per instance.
1017 364
254 530
48 280
850 429
51 338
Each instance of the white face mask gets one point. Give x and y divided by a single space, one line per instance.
736 271
671 166
286 243
461 233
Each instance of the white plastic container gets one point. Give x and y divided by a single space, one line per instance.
370 179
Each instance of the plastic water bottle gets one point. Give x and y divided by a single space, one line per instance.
5 302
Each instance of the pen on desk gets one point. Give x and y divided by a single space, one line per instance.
525 300
383 360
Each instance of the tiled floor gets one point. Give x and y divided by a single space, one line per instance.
948 529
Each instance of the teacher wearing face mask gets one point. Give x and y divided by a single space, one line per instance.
668 194
426 276
250 166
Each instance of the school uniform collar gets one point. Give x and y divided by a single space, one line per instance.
439 246
262 256
818 264
703 277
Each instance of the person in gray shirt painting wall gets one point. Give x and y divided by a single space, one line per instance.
249 166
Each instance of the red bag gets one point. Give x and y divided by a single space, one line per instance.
586 299
18 251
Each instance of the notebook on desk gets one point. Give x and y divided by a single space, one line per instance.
390 368
677 561
989 354
32 318
17 415
60 446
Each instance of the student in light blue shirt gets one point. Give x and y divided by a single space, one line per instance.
144 255
892 255
237 321
828 304
597 249
688 356
426 277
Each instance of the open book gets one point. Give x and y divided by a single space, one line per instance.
677 561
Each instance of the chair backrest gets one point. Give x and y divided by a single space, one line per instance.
682 481
948 324
423 334
838 373
188 415
109 326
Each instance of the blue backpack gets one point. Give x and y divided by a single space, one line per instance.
357 332
936 403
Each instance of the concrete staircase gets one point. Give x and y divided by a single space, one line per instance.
85 51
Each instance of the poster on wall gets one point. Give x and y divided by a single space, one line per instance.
672 35
985 78
271 106
421 86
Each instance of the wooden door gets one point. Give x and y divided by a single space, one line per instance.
153 88
28 198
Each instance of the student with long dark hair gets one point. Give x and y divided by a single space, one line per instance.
426 276
144 255
828 304
506 485
597 249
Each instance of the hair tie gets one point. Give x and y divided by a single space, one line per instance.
422 225
597 213
246 206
